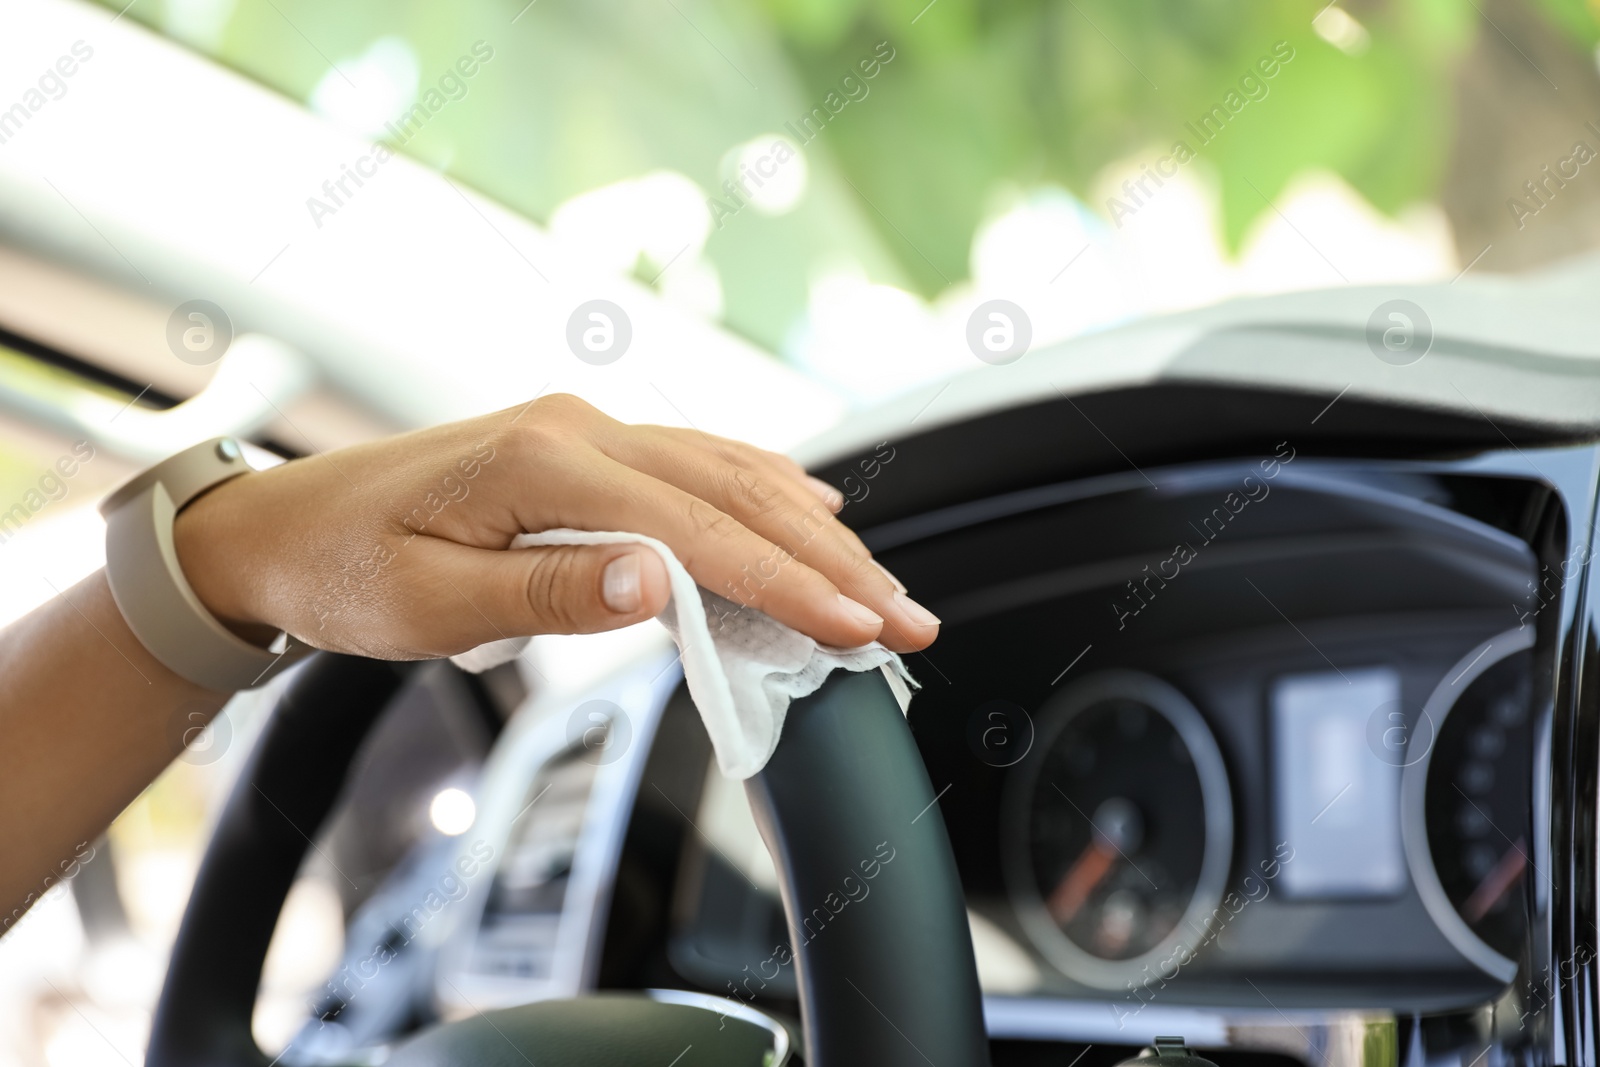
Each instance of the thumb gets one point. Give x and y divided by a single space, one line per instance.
583 589
485 594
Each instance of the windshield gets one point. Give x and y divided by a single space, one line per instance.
841 182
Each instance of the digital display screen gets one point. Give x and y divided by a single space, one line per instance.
1337 797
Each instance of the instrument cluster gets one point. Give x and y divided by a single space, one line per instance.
1121 859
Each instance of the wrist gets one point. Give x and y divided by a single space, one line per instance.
152 590
212 544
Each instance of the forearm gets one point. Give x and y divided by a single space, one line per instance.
89 718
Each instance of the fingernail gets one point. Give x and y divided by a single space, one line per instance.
830 496
915 612
619 585
859 612
898 584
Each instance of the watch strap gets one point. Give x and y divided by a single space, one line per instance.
149 587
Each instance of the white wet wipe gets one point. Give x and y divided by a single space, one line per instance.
743 667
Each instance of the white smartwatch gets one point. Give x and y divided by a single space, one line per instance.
160 606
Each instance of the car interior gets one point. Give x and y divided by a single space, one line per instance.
1211 887
1261 728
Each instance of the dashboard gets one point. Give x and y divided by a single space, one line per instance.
1288 757
1295 771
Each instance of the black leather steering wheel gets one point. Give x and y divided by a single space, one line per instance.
888 980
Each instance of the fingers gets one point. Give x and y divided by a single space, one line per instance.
484 594
725 556
749 456
898 584
748 524
738 563
784 472
826 493
664 455
774 507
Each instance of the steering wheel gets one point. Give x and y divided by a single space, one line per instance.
889 979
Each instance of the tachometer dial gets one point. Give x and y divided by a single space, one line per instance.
1119 827
1468 802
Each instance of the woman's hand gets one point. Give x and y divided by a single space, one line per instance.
393 549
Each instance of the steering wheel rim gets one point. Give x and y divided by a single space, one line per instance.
884 981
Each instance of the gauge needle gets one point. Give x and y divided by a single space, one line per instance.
1086 872
1496 884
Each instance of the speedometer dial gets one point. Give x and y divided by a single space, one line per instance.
1467 803
1119 827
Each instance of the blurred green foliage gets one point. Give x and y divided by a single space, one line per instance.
981 96
1054 90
